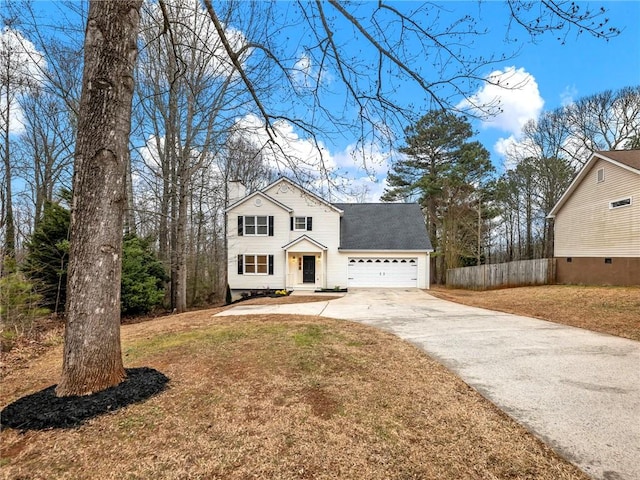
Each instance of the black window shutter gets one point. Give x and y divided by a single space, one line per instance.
271 226
240 225
270 264
309 223
240 265
291 224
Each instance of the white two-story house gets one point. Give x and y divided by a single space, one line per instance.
286 237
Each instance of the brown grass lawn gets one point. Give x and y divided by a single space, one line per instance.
278 397
612 310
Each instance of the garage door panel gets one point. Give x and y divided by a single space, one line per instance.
383 272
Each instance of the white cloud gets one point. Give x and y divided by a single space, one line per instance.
26 66
514 149
305 75
512 95
290 151
356 173
568 94
302 73
515 95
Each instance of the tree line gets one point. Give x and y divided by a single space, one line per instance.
475 215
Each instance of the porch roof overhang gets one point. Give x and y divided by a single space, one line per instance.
304 238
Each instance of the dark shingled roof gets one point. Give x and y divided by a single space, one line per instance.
630 158
383 226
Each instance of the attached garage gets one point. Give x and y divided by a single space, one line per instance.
382 245
382 272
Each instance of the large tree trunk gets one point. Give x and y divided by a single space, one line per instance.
10 232
92 356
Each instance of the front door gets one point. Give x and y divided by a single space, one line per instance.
309 269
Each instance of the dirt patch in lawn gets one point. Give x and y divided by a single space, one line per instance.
289 299
612 310
285 397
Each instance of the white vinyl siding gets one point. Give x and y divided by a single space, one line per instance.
239 245
326 230
587 226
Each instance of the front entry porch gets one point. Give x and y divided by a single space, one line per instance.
305 270
306 262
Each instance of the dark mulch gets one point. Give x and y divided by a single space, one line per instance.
43 410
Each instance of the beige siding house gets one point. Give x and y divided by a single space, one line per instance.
597 222
285 237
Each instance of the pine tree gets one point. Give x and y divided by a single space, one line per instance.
48 255
143 277
443 170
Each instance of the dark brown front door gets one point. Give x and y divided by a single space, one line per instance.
308 269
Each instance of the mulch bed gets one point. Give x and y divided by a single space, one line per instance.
43 410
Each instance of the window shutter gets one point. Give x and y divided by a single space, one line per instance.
309 223
270 264
291 224
240 225
271 226
240 265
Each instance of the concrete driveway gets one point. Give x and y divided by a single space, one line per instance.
577 390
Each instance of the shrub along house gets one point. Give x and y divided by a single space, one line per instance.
597 222
285 236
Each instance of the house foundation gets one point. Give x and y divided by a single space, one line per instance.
623 271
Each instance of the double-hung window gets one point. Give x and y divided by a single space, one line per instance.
255 264
301 223
255 225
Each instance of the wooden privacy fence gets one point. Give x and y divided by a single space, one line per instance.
513 274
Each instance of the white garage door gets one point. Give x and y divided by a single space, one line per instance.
383 272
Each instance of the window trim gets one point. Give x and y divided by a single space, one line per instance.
600 179
253 259
256 226
615 207
307 224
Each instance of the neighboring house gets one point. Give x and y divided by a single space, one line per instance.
284 236
597 222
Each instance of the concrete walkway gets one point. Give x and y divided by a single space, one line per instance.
577 390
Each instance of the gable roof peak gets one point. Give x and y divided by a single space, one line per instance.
626 159
259 193
303 190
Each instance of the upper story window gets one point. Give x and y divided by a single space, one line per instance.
623 202
301 223
255 225
600 175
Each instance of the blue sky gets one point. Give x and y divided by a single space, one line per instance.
552 72
581 66
554 69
